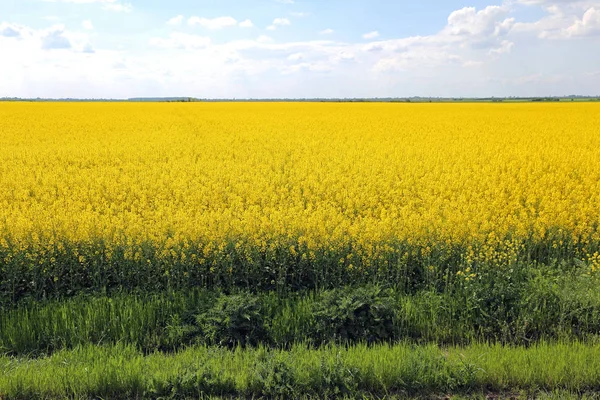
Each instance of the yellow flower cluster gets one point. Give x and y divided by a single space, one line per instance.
467 274
594 262
299 178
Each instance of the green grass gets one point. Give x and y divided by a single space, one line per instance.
544 306
403 369
517 330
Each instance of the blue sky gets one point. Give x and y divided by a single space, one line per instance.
299 48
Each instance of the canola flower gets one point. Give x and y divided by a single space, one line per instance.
95 194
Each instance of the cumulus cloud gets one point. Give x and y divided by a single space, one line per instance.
83 1
563 19
469 37
567 5
295 57
344 56
88 48
264 39
177 20
180 40
87 24
479 52
55 39
419 56
118 7
310 67
371 35
279 22
9 31
326 32
246 24
589 24
30 40
505 47
213 23
470 22
109 5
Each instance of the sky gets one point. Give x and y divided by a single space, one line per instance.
298 48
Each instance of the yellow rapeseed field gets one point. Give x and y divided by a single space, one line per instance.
221 187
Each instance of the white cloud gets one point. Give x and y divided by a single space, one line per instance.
489 21
109 5
82 1
213 23
180 40
295 57
546 27
469 36
299 14
318 67
264 39
175 20
10 31
535 79
371 35
563 19
479 52
55 40
344 56
118 7
246 24
88 48
87 24
472 63
326 32
56 37
279 22
589 24
418 57
565 5
505 47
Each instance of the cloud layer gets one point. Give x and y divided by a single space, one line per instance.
478 52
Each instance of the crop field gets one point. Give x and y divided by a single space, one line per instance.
290 195
156 225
